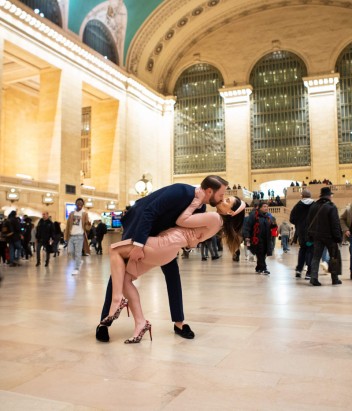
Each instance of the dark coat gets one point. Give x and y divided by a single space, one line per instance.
14 226
264 234
298 218
323 222
157 212
101 230
45 231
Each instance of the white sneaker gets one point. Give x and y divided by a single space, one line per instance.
75 272
325 266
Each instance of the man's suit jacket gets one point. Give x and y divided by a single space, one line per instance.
157 212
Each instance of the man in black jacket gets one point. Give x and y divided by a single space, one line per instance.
325 231
298 218
45 237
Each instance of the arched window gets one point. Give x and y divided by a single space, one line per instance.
344 67
199 137
97 36
46 8
279 112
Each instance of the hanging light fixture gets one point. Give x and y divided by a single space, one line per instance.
143 187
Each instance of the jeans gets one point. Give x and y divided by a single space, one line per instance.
284 242
325 256
15 245
75 245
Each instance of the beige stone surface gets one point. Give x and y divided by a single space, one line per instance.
262 342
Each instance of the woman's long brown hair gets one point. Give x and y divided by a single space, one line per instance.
232 227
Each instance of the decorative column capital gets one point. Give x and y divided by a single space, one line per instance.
169 103
236 95
322 84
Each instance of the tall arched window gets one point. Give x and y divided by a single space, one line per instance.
199 138
46 8
344 67
279 112
97 36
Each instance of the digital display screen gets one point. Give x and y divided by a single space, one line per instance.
69 207
116 219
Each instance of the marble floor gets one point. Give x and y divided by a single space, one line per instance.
262 343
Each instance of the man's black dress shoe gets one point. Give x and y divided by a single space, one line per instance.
186 331
102 333
314 281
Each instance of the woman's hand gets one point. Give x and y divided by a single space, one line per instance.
200 194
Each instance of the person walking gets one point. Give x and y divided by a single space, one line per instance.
77 227
100 231
257 234
298 217
346 227
45 237
284 231
324 231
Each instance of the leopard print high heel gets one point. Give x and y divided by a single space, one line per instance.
136 340
107 321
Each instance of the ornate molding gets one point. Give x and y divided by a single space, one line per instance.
163 64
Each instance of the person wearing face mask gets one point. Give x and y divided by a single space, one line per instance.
189 231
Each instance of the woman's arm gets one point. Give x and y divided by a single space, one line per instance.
189 220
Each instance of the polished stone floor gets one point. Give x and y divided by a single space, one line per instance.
262 343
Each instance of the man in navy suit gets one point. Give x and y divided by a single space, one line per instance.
148 217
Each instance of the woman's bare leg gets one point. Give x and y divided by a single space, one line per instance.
118 270
134 303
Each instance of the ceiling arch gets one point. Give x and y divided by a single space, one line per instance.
168 40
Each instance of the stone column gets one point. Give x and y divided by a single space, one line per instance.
238 138
70 118
323 126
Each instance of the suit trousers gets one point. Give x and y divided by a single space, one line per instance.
317 254
174 289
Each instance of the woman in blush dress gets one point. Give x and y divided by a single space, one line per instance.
191 229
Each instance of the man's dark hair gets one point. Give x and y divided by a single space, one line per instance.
213 182
79 199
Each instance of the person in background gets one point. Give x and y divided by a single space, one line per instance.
57 237
346 227
284 231
45 237
77 227
298 218
100 231
324 231
13 227
27 226
274 232
257 234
